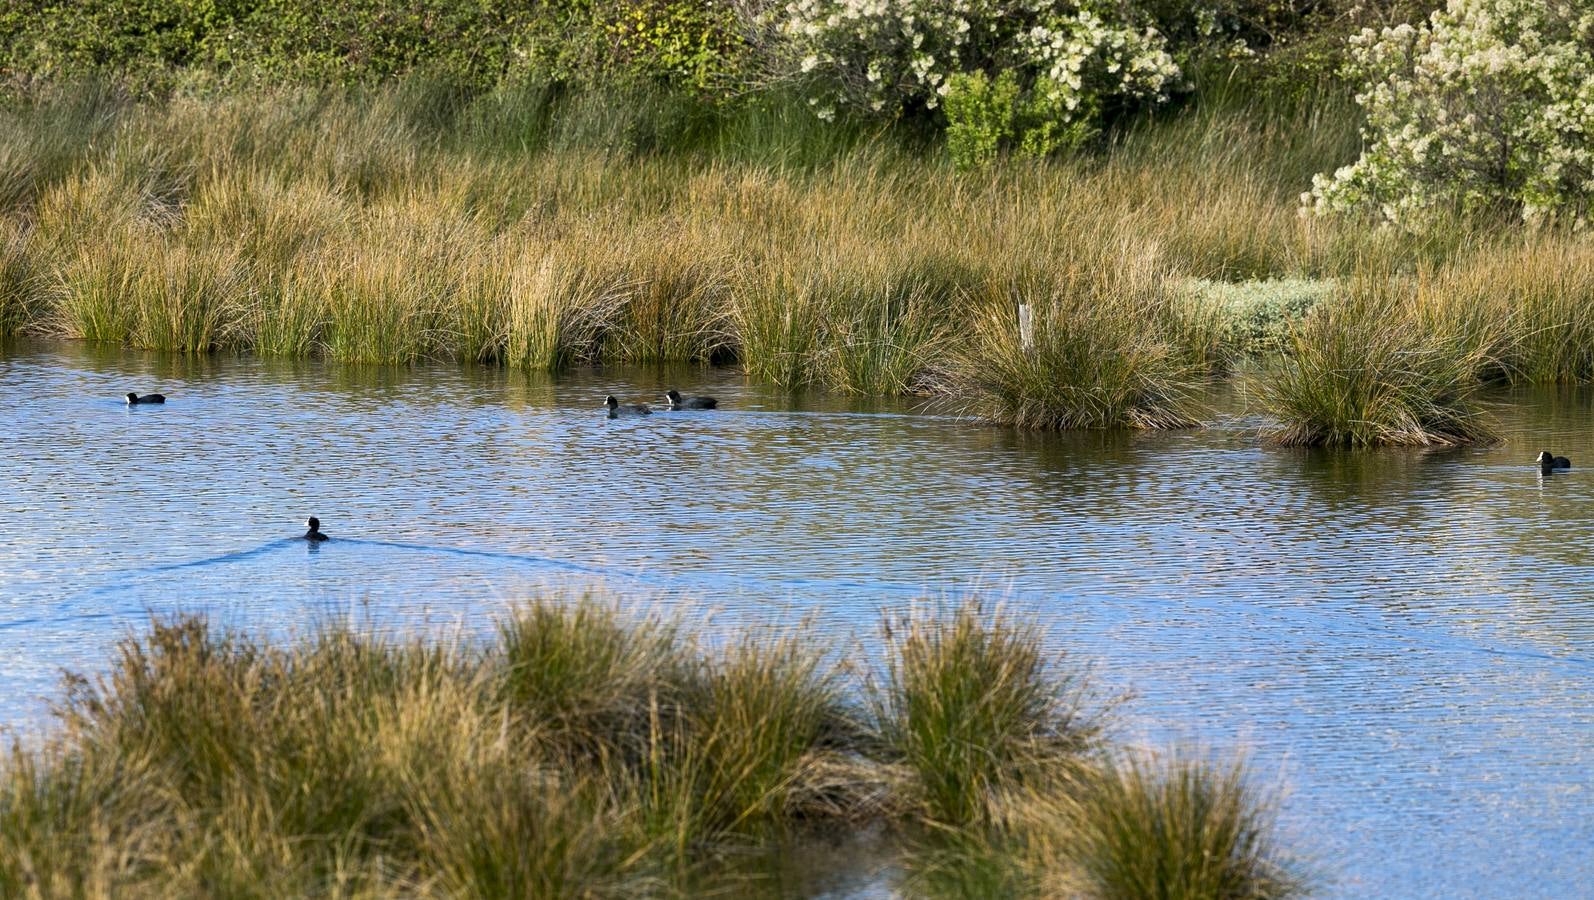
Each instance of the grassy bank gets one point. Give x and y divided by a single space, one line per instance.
585 753
541 228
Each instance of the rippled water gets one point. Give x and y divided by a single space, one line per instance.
1404 641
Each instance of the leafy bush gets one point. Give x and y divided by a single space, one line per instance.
889 57
1488 104
687 43
984 116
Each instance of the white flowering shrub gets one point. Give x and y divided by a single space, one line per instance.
891 57
1489 103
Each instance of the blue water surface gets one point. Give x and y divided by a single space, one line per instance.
1401 641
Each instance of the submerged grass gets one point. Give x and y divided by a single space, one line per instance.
581 752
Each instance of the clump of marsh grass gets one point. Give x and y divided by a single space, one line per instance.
344 759
384 300
882 338
151 292
971 703
588 678
1099 357
580 753
17 291
1182 829
557 309
1532 304
743 753
1363 371
672 303
777 313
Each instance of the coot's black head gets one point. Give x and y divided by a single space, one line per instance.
612 402
313 524
132 397
1545 459
673 395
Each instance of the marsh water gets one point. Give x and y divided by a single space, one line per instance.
1402 641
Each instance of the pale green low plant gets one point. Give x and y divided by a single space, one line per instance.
1257 318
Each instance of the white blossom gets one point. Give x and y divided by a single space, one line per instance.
1487 102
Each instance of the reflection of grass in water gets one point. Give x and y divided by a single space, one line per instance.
582 752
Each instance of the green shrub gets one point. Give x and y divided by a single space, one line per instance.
984 117
692 44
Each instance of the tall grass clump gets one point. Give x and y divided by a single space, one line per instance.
1533 303
1365 369
971 703
1100 356
743 755
588 678
17 292
579 752
557 309
884 338
386 299
672 303
777 312
342 760
1183 829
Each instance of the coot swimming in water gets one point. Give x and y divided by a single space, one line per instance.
1550 463
314 530
676 401
618 409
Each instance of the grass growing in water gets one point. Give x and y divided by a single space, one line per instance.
1365 370
580 753
541 229
971 705
1101 353
1178 829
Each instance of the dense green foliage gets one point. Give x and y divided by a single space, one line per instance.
1062 69
153 43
